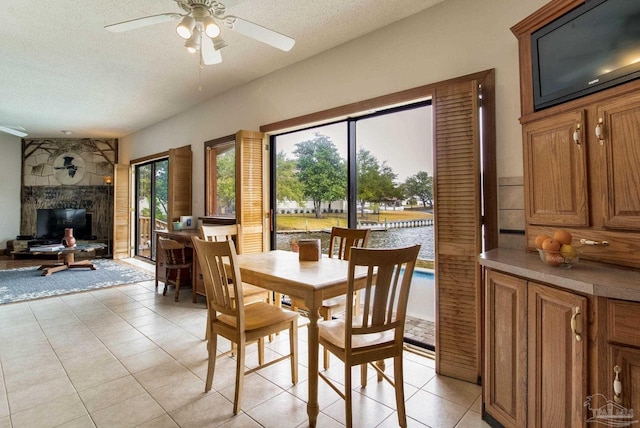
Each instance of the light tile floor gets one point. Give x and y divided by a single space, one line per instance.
129 357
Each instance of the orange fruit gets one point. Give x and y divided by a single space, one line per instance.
540 239
551 244
562 236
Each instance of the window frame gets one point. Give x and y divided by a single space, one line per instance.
210 177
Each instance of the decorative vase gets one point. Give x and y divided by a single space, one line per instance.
68 240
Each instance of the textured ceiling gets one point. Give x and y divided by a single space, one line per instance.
59 68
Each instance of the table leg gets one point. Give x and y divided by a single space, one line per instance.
48 270
69 263
313 408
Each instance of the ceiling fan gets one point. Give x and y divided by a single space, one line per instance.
18 131
200 27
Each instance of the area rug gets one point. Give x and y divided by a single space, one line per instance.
27 283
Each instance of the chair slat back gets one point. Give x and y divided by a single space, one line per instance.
386 294
218 233
221 275
174 250
342 239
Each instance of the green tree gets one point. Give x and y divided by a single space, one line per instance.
226 182
288 187
375 180
161 188
321 171
421 187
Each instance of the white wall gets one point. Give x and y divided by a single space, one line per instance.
454 38
11 167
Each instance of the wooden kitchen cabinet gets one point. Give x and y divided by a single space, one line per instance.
623 320
581 173
626 361
556 171
618 124
535 353
556 351
505 380
581 159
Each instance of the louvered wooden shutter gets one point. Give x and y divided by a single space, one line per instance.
121 217
179 192
250 189
458 229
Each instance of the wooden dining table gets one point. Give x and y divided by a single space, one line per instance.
313 281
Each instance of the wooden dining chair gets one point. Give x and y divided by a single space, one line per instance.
230 318
340 243
379 332
178 267
233 232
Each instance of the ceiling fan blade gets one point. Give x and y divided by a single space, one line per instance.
259 33
142 22
210 55
12 131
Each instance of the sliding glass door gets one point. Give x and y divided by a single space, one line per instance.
374 171
150 204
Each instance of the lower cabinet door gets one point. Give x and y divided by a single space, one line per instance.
505 381
557 366
624 367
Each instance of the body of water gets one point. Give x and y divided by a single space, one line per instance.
422 303
397 237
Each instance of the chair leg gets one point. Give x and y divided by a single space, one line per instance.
261 351
206 328
382 366
398 380
348 404
237 399
166 282
212 347
327 315
293 349
177 286
363 375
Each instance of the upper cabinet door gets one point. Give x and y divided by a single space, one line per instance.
555 170
619 159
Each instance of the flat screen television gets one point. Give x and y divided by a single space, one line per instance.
594 47
51 223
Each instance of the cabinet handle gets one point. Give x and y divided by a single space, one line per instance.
574 324
617 386
600 131
576 136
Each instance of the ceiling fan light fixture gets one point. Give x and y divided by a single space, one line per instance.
186 26
211 29
193 44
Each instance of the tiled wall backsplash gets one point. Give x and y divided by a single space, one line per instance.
511 212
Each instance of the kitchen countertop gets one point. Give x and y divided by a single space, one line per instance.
587 277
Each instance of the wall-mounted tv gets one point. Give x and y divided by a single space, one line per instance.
593 47
51 223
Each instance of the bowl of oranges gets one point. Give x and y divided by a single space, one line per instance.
557 250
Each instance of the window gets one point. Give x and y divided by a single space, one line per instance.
220 167
151 181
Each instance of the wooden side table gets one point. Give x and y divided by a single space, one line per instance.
68 262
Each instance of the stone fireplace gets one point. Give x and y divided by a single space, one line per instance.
68 173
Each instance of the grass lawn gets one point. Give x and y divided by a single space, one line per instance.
310 222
